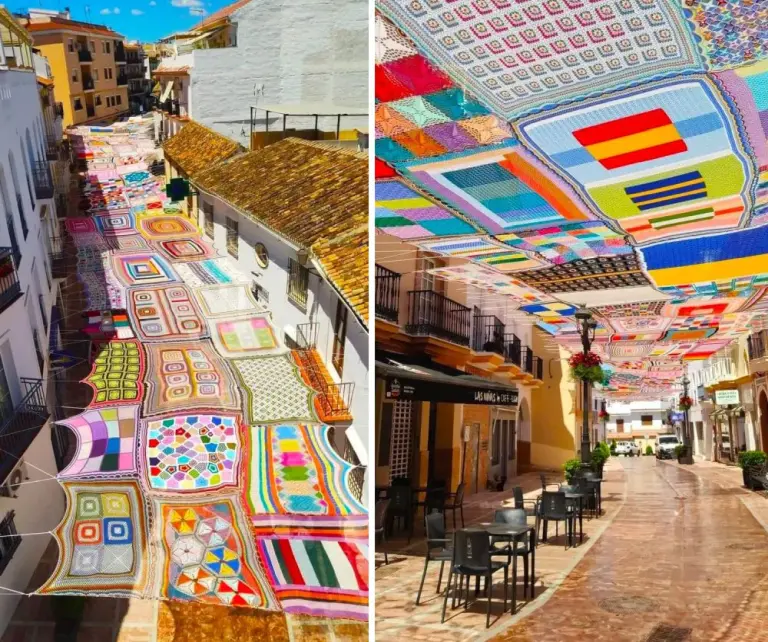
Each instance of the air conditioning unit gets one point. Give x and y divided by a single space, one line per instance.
14 480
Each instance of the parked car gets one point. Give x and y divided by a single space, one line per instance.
628 449
665 446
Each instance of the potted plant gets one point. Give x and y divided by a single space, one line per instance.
600 455
680 452
570 468
649 450
603 415
68 612
613 448
586 367
748 460
685 403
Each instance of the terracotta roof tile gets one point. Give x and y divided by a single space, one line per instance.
314 196
196 147
224 12
59 24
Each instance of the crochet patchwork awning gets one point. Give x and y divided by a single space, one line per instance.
201 471
607 155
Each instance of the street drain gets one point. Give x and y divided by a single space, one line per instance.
666 633
627 604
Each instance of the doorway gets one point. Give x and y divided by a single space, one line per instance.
763 403
503 445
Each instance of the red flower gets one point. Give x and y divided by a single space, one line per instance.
589 360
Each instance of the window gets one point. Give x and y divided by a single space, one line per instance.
95 75
232 236
74 76
208 218
97 101
119 99
103 48
262 256
298 283
339 336
92 46
9 540
646 420
619 425
78 104
109 50
70 46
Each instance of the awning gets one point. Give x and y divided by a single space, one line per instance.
420 383
166 91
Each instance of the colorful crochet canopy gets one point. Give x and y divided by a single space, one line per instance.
613 153
201 470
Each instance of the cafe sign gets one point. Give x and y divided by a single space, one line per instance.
726 397
423 390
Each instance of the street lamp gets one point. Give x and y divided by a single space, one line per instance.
586 326
688 458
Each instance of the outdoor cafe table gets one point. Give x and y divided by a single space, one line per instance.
514 534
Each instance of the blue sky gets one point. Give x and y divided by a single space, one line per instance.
145 20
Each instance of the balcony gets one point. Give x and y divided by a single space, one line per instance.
41 177
62 263
87 82
52 150
21 424
334 400
83 55
119 53
435 315
122 79
10 288
387 294
513 350
487 334
90 112
526 360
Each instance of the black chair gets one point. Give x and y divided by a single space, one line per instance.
590 490
434 498
514 517
456 501
401 507
472 558
520 501
400 481
439 547
554 508
380 524
547 481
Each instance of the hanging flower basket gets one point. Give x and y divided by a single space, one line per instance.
685 403
586 367
604 416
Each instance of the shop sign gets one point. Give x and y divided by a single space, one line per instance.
726 397
419 390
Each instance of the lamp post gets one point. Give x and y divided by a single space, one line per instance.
586 326
688 458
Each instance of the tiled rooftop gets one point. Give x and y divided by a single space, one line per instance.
313 195
196 148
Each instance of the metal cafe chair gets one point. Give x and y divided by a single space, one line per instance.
439 547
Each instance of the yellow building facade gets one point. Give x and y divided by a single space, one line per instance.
88 65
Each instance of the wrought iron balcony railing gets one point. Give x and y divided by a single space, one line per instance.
119 53
487 334
41 177
122 79
433 314
21 424
756 346
387 294
513 349
526 359
538 368
10 288
87 82
306 335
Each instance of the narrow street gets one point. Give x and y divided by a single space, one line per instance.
684 559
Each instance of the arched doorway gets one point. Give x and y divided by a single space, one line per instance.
763 404
523 437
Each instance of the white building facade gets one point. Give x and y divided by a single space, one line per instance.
639 421
31 501
268 52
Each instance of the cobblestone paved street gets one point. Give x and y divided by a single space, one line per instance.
679 555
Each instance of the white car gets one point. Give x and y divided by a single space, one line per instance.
628 449
665 446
